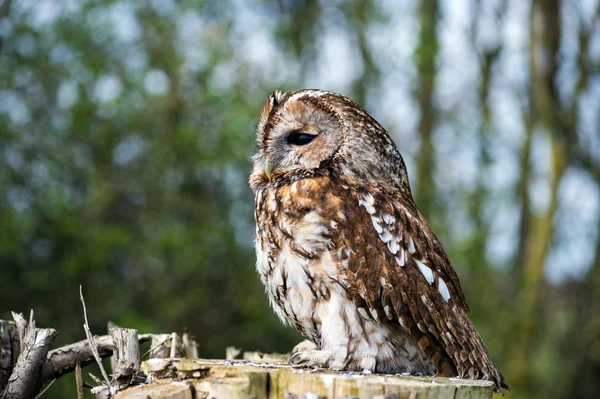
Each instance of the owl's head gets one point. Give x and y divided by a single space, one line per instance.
314 132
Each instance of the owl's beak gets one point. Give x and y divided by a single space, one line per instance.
268 168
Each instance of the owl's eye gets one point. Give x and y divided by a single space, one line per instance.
299 138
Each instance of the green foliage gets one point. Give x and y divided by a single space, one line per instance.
126 130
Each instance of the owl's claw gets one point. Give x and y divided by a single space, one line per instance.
333 359
296 359
310 358
306 345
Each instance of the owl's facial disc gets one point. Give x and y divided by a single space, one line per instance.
297 134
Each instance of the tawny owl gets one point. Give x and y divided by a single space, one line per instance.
344 253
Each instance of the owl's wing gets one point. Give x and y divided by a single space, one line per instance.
399 271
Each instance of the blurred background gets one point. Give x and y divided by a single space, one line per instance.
126 130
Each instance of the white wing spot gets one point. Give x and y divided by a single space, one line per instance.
402 324
363 313
374 314
401 259
393 247
389 219
411 246
382 280
425 271
333 224
424 300
376 224
443 289
385 236
386 309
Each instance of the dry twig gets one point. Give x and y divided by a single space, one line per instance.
39 395
79 382
90 339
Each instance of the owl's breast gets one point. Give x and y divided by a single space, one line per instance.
294 254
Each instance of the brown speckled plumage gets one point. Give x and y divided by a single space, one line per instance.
344 253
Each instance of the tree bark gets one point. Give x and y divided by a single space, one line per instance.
9 350
126 356
25 379
190 346
64 359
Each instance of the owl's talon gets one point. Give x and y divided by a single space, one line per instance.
306 345
301 359
313 358
295 358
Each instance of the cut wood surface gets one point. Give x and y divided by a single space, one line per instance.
160 347
202 378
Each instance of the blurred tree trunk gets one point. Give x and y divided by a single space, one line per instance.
584 352
545 33
522 193
426 55
480 194
360 13
529 295
301 38
488 56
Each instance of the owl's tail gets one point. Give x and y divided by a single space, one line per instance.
460 351
473 359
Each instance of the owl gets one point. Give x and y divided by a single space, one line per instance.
345 255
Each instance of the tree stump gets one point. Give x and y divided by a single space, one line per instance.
223 379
